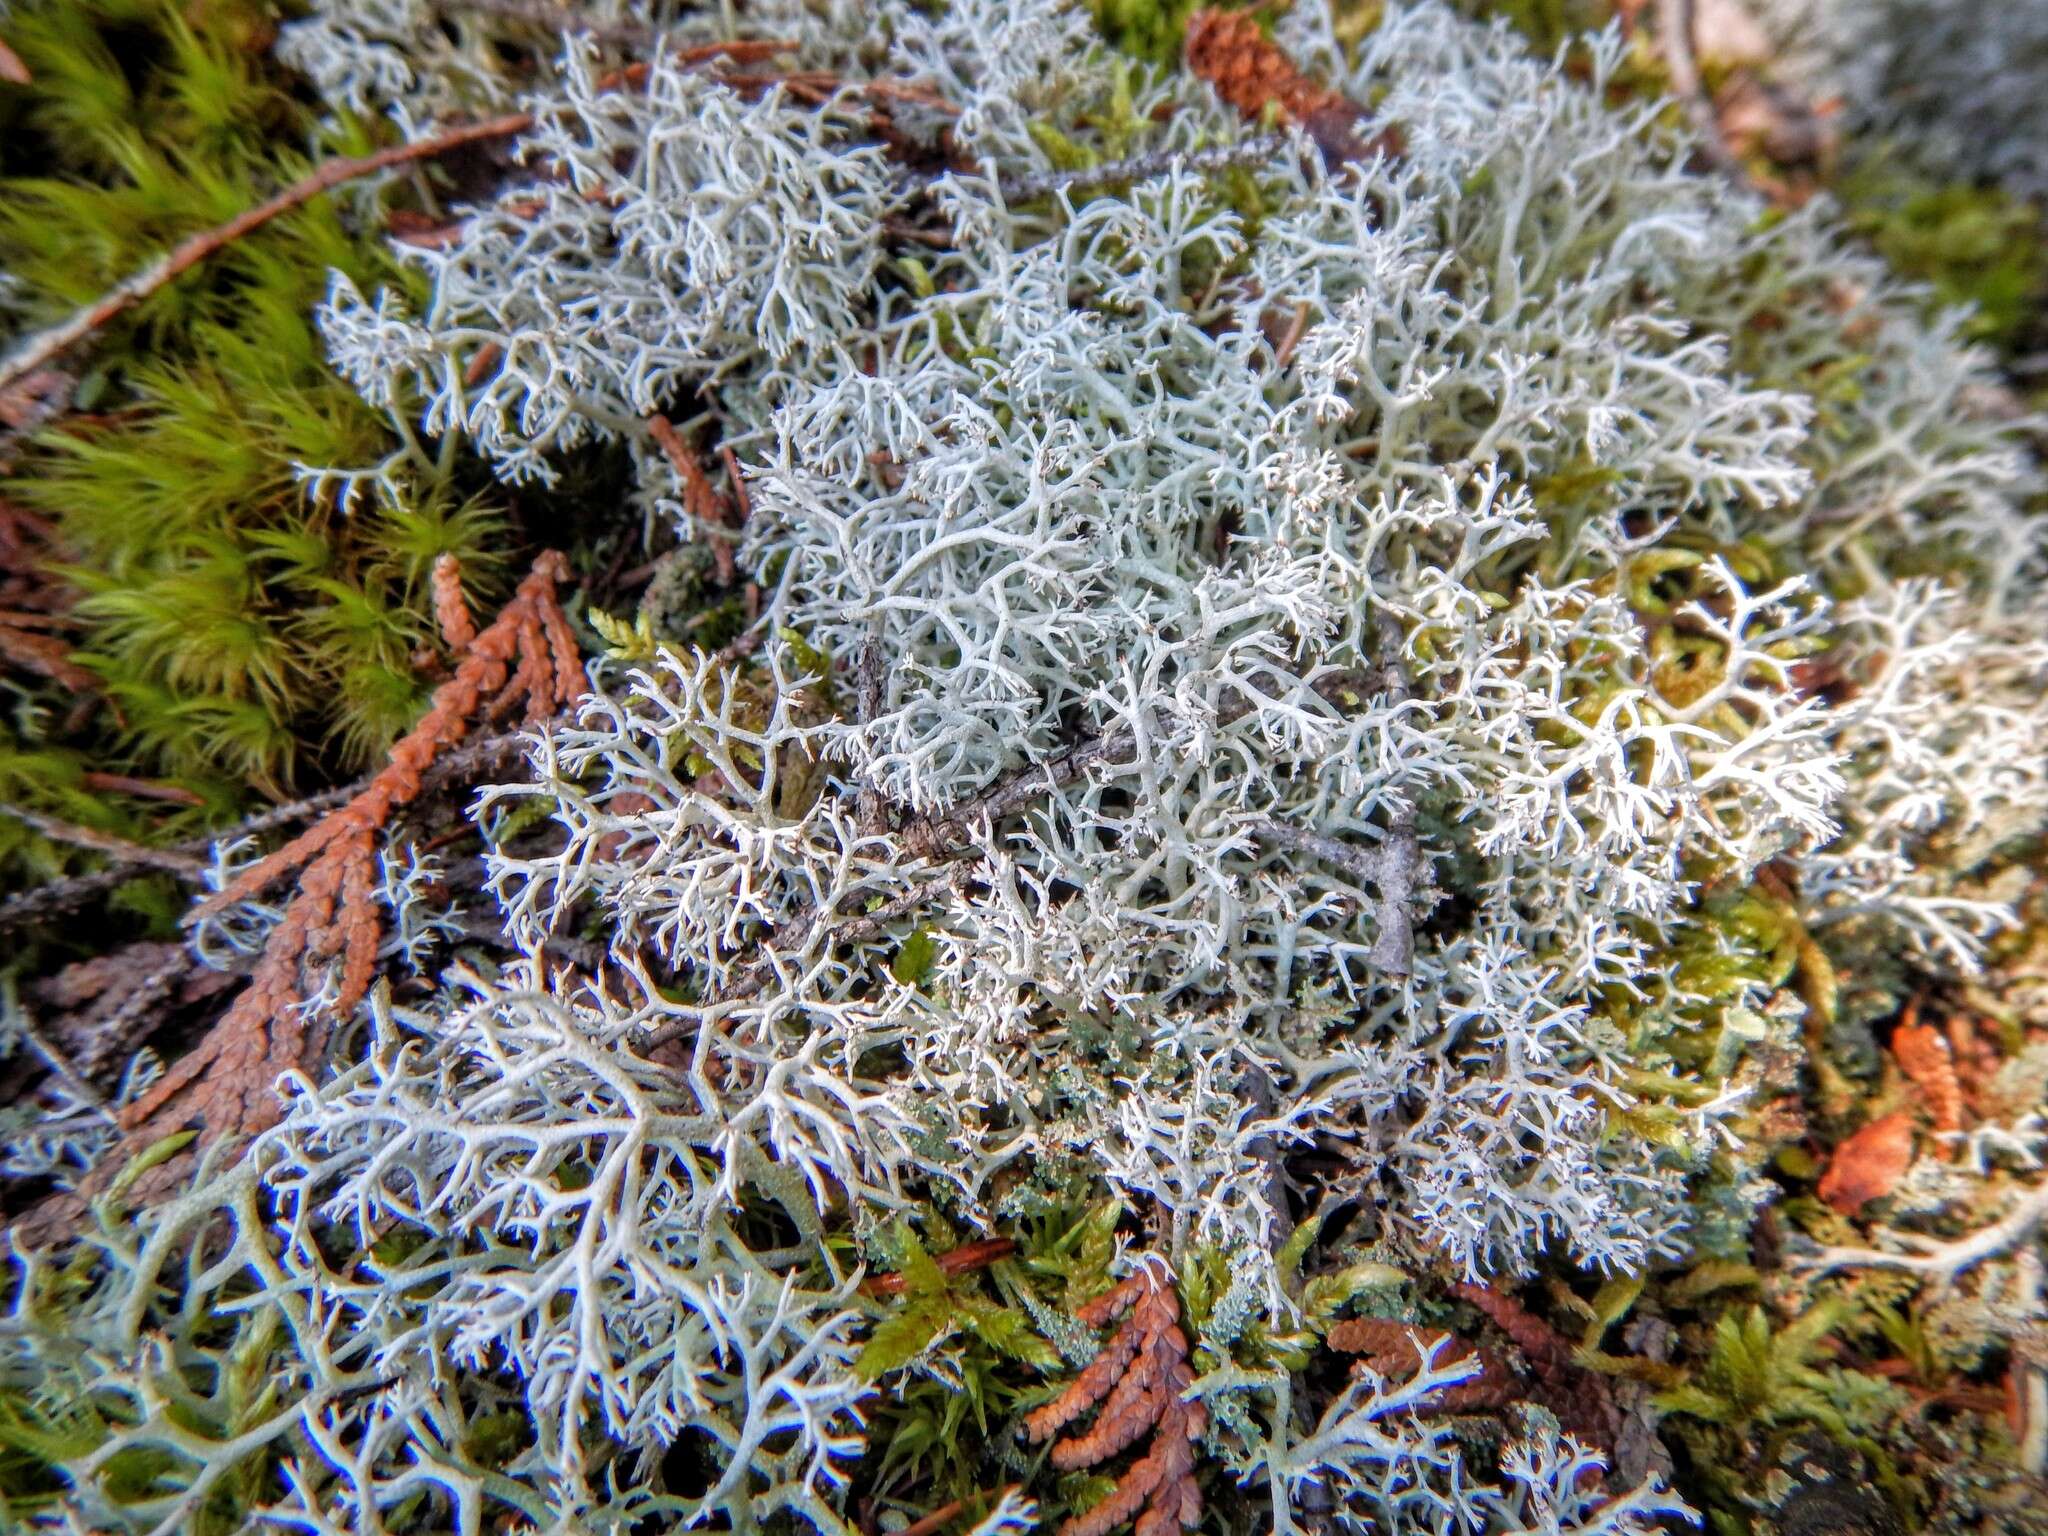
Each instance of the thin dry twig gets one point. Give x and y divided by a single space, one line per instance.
12 70
129 853
952 1509
142 789
1675 43
46 346
978 1254
459 765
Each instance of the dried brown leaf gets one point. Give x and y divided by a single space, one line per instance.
1869 1165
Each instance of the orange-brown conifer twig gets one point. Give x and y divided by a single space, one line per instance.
1138 1378
1974 1050
1254 74
1924 1056
451 608
1580 1398
706 507
47 346
526 656
1393 1349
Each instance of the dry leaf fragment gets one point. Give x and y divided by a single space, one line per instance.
1869 1165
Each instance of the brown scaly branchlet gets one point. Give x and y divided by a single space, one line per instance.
1253 74
1925 1056
1138 1378
1396 1350
1581 1399
527 659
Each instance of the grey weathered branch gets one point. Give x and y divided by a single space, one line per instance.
1391 868
1943 1261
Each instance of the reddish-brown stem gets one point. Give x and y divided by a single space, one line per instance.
141 789
978 1254
49 345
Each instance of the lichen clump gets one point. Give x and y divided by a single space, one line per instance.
1273 675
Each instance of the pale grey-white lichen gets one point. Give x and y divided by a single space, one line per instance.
1311 639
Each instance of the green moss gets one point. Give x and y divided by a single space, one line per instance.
246 634
1978 247
1151 29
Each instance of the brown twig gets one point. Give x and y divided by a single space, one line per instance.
1675 43
978 1254
129 853
952 1509
1297 327
46 346
48 656
141 789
